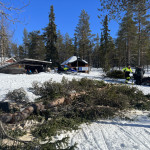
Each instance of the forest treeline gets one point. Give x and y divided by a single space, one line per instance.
132 45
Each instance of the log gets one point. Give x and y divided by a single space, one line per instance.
19 116
55 103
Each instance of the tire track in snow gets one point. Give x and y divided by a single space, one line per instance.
110 135
98 137
145 135
88 133
84 139
87 136
146 131
104 138
114 139
118 139
81 140
134 138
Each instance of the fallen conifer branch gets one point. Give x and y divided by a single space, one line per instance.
19 116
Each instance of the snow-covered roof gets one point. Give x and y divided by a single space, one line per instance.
35 60
5 59
11 58
71 60
25 60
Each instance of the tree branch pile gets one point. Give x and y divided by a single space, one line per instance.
19 116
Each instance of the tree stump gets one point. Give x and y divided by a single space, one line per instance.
5 106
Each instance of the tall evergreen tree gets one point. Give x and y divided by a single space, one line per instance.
51 39
106 34
36 46
75 45
106 45
60 47
68 45
21 52
112 53
115 8
147 40
41 48
25 42
84 35
126 41
101 50
142 22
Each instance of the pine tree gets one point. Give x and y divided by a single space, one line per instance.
147 46
101 51
105 43
25 42
68 45
115 8
21 52
41 48
120 50
106 33
83 35
33 36
142 22
51 39
112 53
36 46
126 41
75 45
60 46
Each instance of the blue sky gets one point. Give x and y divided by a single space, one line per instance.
67 12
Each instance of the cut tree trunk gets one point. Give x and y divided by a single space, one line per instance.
19 116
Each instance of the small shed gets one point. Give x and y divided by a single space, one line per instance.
77 63
22 65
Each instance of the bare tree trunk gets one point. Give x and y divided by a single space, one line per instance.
139 44
126 52
3 40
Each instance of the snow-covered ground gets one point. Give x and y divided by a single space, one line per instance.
113 135
10 82
100 135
